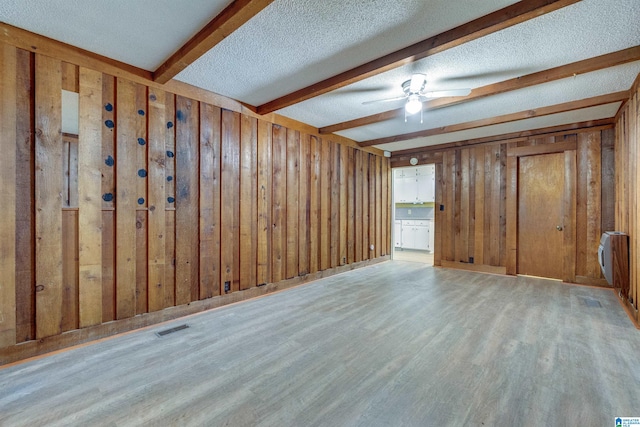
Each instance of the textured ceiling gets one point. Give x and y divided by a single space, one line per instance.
292 44
138 32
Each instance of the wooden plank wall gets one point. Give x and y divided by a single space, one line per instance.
471 186
627 200
159 201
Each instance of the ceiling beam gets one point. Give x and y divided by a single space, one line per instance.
496 21
521 115
575 68
230 19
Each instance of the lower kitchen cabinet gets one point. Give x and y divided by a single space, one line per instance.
414 234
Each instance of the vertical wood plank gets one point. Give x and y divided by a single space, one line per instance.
358 207
48 196
512 215
478 236
448 236
378 205
594 204
229 201
293 154
384 205
608 180
373 200
343 213
69 319
108 192
170 197
462 231
325 205
334 236
314 205
187 199
494 248
581 203
156 220
24 212
142 170
366 253
502 209
8 187
304 213
70 77
265 133
439 217
90 200
569 233
208 270
279 195
351 208
142 262
126 200
248 202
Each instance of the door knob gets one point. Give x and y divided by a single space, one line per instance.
559 227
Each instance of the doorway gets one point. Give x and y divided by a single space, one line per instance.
541 224
414 213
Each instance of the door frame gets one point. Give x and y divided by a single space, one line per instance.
514 153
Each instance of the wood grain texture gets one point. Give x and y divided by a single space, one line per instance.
24 195
142 261
279 204
315 192
366 253
248 202
438 214
504 359
358 219
343 208
351 209
49 287
292 201
170 214
156 221
265 133
187 199
8 185
304 203
126 200
334 205
90 200
325 204
569 218
70 289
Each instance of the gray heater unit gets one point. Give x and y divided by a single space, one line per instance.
613 255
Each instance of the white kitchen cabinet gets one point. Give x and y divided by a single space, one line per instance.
416 234
415 185
397 233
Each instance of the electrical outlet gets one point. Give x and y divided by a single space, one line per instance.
441 208
371 247
344 260
227 286
470 260
408 211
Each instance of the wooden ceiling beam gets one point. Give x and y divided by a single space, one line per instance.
521 115
575 68
404 155
229 20
493 22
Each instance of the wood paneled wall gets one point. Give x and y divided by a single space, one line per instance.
165 201
472 197
627 206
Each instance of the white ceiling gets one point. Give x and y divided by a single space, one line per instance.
292 44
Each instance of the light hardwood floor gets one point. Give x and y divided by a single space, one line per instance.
394 344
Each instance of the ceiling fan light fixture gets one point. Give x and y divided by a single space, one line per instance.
413 104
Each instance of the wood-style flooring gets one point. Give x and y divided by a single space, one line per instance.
394 344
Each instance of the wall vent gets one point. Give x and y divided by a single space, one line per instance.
172 330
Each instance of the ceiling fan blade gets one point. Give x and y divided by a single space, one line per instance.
498 74
397 98
417 83
445 93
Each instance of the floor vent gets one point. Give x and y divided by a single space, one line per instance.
591 302
171 330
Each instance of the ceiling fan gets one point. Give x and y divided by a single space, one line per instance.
415 94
